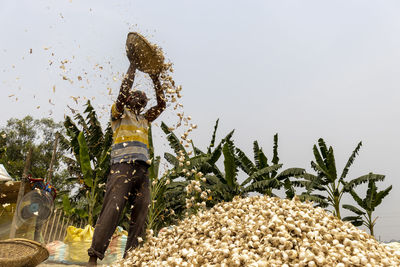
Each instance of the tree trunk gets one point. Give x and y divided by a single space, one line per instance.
337 208
53 158
370 224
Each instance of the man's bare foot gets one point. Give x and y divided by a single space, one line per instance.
92 261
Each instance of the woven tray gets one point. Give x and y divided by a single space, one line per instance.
20 252
143 55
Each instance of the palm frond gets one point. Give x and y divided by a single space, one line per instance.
359 201
244 162
173 140
72 132
381 195
262 159
350 161
196 150
320 162
150 138
364 179
261 172
275 159
154 168
215 155
212 180
355 220
322 172
331 165
200 160
64 143
291 172
315 182
171 159
218 173
218 150
229 163
290 192
319 199
81 122
212 142
353 209
299 183
371 193
207 168
323 148
262 185
309 177
85 161
256 150
103 165
108 137
95 133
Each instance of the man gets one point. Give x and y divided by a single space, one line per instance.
128 179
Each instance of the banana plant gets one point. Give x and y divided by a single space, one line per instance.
158 215
90 164
204 162
373 199
264 177
225 184
327 179
201 161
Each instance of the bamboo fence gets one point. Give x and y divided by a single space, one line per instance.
56 226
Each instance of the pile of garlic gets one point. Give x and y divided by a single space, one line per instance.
262 231
393 245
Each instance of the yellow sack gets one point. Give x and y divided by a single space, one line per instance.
78 241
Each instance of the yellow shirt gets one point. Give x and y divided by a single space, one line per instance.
130 136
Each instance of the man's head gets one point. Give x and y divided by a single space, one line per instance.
137 101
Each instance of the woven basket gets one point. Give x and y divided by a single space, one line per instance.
143 55
20 252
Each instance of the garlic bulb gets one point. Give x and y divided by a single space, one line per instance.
261 231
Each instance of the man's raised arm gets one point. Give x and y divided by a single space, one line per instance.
123 95
155 111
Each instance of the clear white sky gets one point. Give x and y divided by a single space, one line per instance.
303 69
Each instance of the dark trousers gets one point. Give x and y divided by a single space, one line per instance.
127 182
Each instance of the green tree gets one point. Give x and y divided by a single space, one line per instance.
327 179
89 164
3 147
264 177
20 134
368 204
